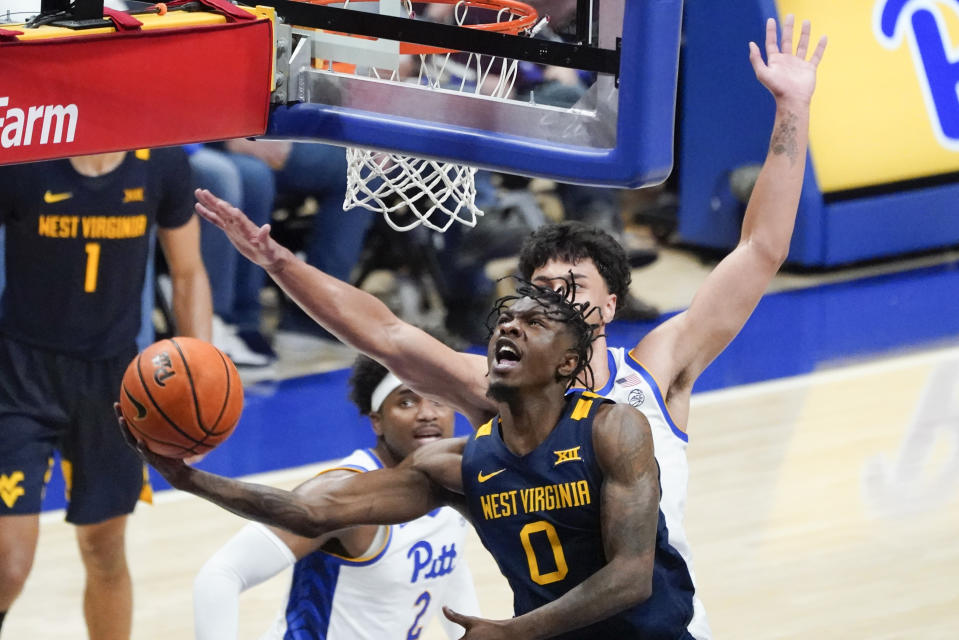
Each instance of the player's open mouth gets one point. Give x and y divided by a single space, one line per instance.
506 355
427 434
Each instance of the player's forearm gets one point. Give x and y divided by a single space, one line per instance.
216 605
255 502
354 316
249 558
363 322
386 496
771 213
614 588
193 304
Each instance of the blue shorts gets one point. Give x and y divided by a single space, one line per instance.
51 401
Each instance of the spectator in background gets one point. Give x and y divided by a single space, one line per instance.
236 284
304 169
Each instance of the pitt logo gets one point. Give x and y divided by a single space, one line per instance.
162 368
423 561
18 126
10 489
935 58
133 195
567 455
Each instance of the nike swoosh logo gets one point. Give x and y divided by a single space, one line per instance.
51 198
141 410
483 478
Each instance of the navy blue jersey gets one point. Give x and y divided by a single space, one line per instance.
77 247
539 516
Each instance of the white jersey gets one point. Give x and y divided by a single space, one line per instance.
630 383
410 571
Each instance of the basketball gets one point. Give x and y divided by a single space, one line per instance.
181 397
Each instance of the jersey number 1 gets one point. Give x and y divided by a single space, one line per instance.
558 556
93 266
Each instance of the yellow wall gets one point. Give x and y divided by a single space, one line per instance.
870 121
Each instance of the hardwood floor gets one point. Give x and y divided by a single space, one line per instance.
820 506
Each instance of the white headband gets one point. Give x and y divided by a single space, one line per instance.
383 389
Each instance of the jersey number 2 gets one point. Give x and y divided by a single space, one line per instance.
423 602
93 266
558 556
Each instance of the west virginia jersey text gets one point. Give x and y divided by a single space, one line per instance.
503 504
110 227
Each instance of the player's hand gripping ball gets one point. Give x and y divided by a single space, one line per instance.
181 397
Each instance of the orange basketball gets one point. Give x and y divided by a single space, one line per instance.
181 397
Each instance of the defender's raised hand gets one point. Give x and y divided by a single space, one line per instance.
253 242
785 73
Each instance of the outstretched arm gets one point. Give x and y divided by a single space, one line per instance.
424 481
629 514
358 318
385 496
681 348
256 554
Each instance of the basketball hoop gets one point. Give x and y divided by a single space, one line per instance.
412 191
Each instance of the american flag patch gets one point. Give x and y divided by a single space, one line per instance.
631 380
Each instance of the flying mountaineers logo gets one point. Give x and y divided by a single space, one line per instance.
10 488
923 25
36 124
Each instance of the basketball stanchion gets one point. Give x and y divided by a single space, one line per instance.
435 83
411 191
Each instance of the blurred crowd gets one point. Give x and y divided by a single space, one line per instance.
436 278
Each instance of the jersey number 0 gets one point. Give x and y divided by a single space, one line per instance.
557 548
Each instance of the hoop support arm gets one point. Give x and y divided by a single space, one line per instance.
560 54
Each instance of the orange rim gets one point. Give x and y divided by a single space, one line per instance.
525 17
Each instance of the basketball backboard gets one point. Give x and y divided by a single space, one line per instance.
614 129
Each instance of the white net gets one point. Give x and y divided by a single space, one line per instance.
411 191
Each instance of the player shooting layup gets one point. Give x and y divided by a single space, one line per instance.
563 489
658 374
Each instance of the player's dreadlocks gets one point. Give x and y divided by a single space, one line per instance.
560 305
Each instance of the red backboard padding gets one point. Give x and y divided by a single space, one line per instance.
90 94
